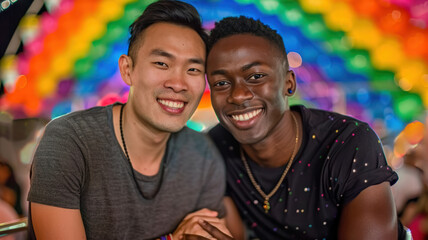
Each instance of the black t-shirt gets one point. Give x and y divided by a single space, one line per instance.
339 157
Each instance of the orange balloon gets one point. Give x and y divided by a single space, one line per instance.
366 8
69 22
54 43
21 82
32 107
401 145
37 64
414 132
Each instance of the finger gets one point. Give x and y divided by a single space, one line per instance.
193 237
191 225
215 232
203 212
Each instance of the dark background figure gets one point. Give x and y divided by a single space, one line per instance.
10 191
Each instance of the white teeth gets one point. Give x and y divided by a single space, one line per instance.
171 104
246 116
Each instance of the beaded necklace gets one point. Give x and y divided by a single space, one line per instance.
266 205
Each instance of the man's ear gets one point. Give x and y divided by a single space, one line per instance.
125 67
290 83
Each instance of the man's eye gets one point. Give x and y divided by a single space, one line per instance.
221 83
161 64
194 70
256 76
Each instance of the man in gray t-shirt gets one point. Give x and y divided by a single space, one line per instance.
131 171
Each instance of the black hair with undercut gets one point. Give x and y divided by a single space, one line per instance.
170 11
246 25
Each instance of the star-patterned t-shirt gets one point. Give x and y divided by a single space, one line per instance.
339 157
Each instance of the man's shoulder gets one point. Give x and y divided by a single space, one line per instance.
191 137
85 115
223 139
218 132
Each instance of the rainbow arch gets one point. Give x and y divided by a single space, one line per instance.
367 58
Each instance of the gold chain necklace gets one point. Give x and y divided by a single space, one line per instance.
266 204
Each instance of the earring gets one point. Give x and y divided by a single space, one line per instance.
290 91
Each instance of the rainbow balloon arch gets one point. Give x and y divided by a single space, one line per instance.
366 58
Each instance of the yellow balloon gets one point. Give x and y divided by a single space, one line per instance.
388 55
46 85
61 66
424 95
364 35
92 28
127 1
29 21
412 71
110 10
79 45
8 62
315 6
340 17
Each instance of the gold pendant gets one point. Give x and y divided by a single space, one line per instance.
266 205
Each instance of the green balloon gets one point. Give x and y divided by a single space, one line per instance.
98 50
358 61
132 11
313 27
268 6
82 67
408 106
290 13
337 42
383 81
114 32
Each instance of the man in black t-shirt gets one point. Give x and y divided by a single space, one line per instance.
292 172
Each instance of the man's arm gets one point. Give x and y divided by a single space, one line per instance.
56 223
371 215
233 219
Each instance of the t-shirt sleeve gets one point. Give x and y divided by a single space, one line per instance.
214 182
57 173
359 163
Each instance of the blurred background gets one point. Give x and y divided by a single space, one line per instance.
364 58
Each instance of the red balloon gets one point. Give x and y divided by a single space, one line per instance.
416 42
393 20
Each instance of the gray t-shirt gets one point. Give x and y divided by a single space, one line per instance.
79 164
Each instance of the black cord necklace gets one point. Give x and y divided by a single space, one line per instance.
130 164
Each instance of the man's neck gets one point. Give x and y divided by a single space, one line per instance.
146 147
277 148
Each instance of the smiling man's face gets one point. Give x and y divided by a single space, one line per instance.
248 78
167 78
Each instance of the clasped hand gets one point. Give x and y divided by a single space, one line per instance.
201 225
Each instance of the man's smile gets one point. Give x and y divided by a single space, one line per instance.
246 116
172 106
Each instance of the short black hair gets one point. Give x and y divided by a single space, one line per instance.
246 25
170 11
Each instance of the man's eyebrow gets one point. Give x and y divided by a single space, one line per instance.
197 61
250 65
162 53
218 72
243 68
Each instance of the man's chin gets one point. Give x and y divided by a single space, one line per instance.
244 136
